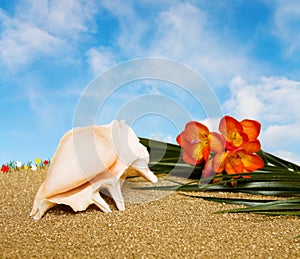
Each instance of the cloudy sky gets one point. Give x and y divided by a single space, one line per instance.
248 52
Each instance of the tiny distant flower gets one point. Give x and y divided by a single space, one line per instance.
18 164
33 168
26 167
46 162
4 168
38 161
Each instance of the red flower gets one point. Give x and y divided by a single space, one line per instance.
197 143
237 161
232 151
4 168
233 132
46 162
238 134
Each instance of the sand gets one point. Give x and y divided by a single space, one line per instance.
169 226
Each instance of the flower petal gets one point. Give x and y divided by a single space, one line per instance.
208 171
219 162
233 132
197 151
195 132
251 128
216 142
229 124
252 162
252 146
179 139
234 164
190 160
195 143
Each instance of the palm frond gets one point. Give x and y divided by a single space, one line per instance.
289 207
278 177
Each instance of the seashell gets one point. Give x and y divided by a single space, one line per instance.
88 159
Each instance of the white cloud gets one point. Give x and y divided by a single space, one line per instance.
43 28
100 59
41 106
66 19
21 42
244 101
289 156
131 39
181 31
275 102
282 136
275 99
184 33
50 111
287 21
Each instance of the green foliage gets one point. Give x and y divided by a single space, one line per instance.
273 207
278 178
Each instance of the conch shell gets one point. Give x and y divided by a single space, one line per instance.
89 159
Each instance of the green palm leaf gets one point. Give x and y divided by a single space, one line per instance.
278 177
268 207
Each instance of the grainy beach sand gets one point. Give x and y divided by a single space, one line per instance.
173 226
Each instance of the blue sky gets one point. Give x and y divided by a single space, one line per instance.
247 51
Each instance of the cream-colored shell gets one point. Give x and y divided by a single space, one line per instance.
88 159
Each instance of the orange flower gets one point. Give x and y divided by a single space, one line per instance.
241 144
197 143
251 128
232 151
240 134
233 132
237 161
